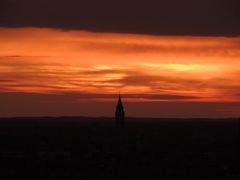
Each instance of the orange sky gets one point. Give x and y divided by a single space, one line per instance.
54 61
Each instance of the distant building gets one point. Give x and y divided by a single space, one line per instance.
119 114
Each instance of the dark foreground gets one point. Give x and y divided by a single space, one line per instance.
85 148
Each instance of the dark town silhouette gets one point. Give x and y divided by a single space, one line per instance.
42 148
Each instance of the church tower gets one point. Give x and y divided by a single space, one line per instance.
119 114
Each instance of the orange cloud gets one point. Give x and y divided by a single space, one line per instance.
52 61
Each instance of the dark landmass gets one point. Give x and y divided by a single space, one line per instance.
95 148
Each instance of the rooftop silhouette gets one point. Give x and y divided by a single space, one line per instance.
119 114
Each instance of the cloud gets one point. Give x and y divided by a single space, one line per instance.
170 47
153 17
35 104
51 61
46 43
61 79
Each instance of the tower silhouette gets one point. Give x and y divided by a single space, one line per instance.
119 114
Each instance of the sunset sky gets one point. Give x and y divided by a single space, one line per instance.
53 67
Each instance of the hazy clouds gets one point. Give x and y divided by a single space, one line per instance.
94 67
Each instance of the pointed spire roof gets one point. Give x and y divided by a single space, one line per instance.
119 101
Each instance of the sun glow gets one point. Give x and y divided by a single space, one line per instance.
183 68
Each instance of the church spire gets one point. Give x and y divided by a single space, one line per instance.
119 101
119 114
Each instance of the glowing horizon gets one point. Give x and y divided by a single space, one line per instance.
156 68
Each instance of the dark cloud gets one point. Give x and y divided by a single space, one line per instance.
6 80
35 104
31 104
167 17
76 96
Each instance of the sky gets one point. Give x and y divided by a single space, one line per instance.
166 58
